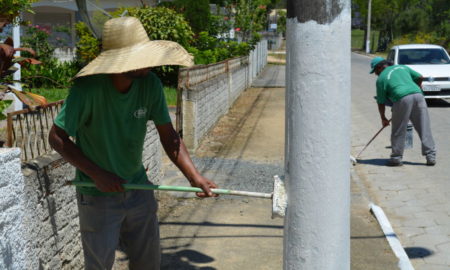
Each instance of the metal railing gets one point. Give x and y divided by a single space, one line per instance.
28 129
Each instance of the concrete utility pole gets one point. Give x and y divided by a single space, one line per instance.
317 224
369 14
17 75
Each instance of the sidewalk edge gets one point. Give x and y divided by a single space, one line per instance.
403 260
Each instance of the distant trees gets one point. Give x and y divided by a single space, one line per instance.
399 18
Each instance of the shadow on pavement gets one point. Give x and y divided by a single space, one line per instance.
437 103
211 224
185 260
383 161
418 252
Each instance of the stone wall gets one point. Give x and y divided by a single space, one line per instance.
39 218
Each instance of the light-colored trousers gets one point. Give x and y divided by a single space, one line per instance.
129 217
411 108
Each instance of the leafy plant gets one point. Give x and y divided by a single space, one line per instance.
208 49
4 104
37 38
7 59
51 74
162 23
88 47
197 13
10 9
281 23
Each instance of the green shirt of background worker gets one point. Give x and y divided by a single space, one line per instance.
401 86
107 111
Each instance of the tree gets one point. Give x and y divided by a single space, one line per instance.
10 10
198 14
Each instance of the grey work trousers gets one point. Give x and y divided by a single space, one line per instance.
129 217
411 107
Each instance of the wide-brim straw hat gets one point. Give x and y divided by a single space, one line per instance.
127 47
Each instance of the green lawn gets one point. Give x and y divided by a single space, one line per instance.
56 94
51 95
358 39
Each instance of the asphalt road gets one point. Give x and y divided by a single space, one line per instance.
415 197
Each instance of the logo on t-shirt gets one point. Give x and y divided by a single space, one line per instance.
140 113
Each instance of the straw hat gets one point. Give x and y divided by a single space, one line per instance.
126 47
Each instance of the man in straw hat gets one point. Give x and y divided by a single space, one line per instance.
402 86
106 112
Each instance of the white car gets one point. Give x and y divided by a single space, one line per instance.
432 61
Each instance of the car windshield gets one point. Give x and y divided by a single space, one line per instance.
422 57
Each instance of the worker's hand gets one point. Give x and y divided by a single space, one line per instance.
205 184
385 122
108 182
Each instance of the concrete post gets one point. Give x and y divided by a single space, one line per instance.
17 75
317 224
369 14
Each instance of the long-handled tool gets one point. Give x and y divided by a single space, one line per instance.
278 196
354 159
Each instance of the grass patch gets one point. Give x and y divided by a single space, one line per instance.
56 94
171 96
358 39
52 94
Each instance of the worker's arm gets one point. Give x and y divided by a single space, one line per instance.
104 180
419 81
381 110
176 150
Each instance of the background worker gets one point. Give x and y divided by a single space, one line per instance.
402 86
107 112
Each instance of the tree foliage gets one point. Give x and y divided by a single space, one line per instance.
10 9
397 18
162 23
197 13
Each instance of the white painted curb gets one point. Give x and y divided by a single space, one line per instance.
403 260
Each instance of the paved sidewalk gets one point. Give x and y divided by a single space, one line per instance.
415 197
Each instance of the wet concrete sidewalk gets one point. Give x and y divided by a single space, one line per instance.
243 151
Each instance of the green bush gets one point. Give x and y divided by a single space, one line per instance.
50 74
164 24
421 38
36 37
208 49
88 47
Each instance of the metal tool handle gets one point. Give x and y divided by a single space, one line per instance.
371 140
180 189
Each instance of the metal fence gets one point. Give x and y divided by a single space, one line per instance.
28 129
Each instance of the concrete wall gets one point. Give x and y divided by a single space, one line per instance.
152 155
210 90
12 210
39 218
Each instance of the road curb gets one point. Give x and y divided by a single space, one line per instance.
404 263
403 260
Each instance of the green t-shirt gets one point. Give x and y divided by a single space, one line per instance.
396 82
109 127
